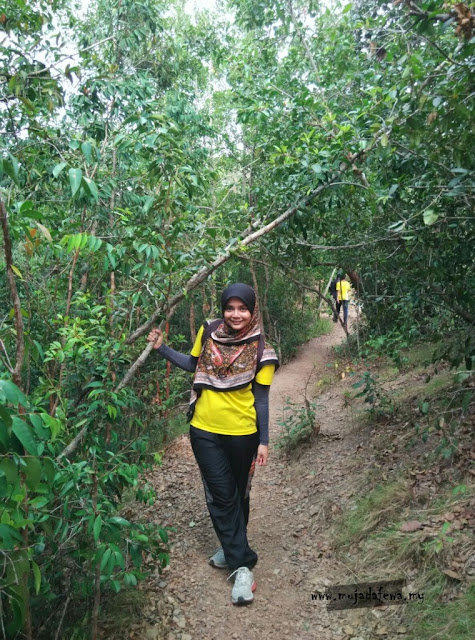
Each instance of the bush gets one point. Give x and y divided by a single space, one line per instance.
298 425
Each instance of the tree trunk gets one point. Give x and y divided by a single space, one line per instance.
325 292
97 573
265 309
256 289
192 322
19 328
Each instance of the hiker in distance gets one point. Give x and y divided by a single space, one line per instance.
229 414
343 296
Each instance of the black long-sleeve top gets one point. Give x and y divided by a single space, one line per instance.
259 391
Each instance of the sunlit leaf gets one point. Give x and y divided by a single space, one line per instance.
75 178
430 216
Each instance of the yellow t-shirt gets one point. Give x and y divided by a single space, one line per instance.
229 413
343 286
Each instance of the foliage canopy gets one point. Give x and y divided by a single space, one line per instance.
145 152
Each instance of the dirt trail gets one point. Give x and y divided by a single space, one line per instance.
290 502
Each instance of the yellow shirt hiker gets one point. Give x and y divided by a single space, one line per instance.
233 367
231 413
343 290
343 296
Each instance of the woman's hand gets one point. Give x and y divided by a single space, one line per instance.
262 455
155 336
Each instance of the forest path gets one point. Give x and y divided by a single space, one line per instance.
291 501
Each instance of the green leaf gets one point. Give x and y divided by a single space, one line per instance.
148 204
39 348
5 416
54 425
97 527
17 271
92 188
10 470
11 393
36 575
58 168
10 167
49 469
105 558
115 584
4 437
118 520
10 536
384 140
430 216
130 579
94 243
32 473
24 434
119 558
86 148
26 206
71 243
75 178
112 411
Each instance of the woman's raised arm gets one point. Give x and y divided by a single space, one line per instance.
182 360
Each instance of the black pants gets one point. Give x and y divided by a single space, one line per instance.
227 466
337 312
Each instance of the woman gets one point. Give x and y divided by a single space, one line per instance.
229 415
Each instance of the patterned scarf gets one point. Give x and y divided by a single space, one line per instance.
228 360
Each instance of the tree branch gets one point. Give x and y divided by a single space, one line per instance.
324 247
417 155
414 10
458 64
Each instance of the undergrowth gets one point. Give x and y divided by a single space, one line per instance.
386 533
439 618
118 613
298 424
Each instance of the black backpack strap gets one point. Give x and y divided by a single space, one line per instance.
209 327
260 351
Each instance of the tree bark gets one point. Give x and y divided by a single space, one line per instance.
265 307
97 572
256 289
192 322
54 403
19 328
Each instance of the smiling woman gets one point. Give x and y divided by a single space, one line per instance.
236 314
229 415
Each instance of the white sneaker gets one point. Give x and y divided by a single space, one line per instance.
218 560
244 585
